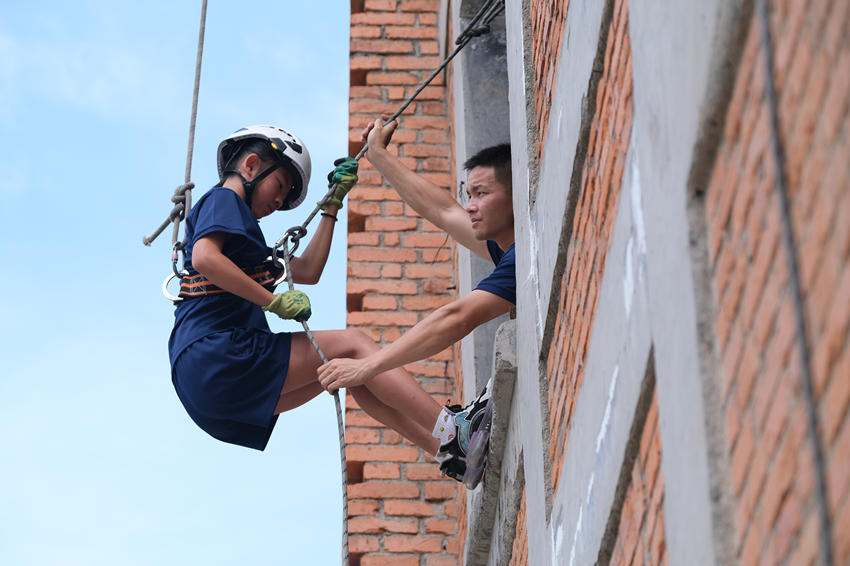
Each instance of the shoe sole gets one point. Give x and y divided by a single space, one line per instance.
476 454
472 477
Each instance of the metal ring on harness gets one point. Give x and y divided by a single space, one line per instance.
295 234
168 278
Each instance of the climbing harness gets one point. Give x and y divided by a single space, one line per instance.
289 242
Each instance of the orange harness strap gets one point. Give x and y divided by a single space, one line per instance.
193 286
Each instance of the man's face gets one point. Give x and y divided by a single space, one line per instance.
490 206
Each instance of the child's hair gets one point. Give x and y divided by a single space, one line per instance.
498 157
261 147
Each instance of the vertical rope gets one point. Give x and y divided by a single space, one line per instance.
339 422
796 287
194 115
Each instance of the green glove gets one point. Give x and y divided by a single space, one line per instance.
290 305
344 176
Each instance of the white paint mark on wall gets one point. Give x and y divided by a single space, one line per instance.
635 260
557 536
637 203
601 436
576 537
606 417
628 278
533 279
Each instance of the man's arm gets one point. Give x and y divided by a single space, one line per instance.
426 198
431 335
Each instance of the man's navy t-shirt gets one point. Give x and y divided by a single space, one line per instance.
502 282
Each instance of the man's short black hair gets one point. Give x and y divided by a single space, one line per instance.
498 157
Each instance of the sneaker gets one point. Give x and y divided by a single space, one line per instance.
465 456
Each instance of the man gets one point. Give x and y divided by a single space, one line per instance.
486 227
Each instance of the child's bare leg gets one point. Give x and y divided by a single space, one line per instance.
397 421
401 397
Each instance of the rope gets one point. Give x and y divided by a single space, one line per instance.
796 287
183 193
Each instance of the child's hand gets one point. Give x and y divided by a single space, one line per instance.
290 305
344 176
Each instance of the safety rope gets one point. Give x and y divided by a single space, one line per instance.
792 258
182 197
478 25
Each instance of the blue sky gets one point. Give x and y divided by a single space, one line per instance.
99 464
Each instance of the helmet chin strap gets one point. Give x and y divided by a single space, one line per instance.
249 185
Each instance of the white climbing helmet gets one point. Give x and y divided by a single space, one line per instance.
290 149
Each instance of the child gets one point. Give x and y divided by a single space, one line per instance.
232 374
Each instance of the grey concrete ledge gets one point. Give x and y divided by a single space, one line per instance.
500 481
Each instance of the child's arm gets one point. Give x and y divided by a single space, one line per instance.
208 260
431 335
308 267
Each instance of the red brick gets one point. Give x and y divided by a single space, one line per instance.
365 32
408 508
382 255
362 544
381 286
396 78
365 63
373 318
380 471
440 527
390 19
382 302
391 225
420 544
381 46
383 489
379 453
371 525
416 472
405 32
361 436
389 560
363 507
361 270
435 491
380 5
420 5
417 271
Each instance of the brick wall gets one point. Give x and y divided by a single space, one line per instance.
547 25
400 268
640 536
590 235
772 465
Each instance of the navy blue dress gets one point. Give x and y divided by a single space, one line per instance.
228 368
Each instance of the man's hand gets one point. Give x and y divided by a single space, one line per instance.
377 134
290 305
344 372
344 176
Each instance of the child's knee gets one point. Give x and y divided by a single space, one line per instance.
360 343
